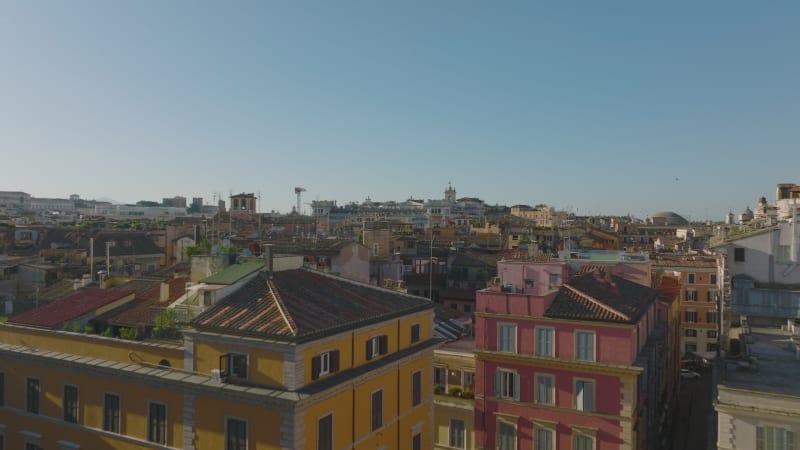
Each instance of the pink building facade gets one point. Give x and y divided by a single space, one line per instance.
565 364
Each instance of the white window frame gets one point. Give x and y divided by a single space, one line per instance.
581 405
691 295
508 384
500 337
324 363
551 389
763 440
515 444
589 438
578 355
374 346
538 429
462 435
551 345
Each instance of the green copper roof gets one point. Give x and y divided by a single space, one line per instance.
234 273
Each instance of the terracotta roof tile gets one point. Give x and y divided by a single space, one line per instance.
69 308
597 296
298 304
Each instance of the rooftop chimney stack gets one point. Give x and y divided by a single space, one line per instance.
268 257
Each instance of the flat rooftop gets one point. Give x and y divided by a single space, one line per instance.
776 363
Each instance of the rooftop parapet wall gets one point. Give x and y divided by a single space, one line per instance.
93 346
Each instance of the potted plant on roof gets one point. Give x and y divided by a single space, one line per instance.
438 389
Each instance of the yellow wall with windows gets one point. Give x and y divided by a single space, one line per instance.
210 415
134 405
363 396
454 408
341 405
425 328
93 346
264 367
343 344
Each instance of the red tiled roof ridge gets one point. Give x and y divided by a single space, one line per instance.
597 302
281 307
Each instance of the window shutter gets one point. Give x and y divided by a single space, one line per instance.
369 349
335 361
516 386
384 344
497 383
315 365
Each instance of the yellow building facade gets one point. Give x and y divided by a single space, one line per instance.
291 360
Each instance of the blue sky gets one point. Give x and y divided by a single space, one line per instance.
596 107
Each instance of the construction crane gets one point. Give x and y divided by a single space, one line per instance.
298 191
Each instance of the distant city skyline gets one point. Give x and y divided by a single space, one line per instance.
598 108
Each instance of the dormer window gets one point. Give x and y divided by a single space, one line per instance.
324 364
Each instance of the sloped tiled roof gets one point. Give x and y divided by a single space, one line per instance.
300 304
69 308
597 296
146 307
234 272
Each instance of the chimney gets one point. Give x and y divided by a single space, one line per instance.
164 293
268 258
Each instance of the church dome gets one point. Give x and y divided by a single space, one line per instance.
668 218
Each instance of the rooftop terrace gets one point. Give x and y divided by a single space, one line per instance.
773 364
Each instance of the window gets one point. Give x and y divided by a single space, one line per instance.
529 283
545 389
375 249
690 347
691 295
711 334
507 338
691 316
457 433
416 388
582 442
111 413
377 409
544 341
416 442
507 384
711 347
772 438
544 439
690 332
738 254
325 433
584 395
233 365
712 316
506 436
324 363
440 375
70 403
553 280
157 423
691 278
469 380
235 434
415 333
584 343
32 391
712 279
711 295
376 346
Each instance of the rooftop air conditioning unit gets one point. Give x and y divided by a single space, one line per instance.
216 375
